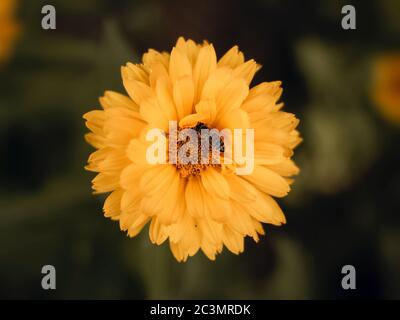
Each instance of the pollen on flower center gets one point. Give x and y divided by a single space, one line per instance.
193 165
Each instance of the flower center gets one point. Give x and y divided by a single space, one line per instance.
201 149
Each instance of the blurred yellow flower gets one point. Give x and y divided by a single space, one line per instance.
386 86
193 206
8 28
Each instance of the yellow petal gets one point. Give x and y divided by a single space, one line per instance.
157 178
178 252
137 151
206 63
207 108
268 181
95 140
240 190
179 65
183 96
210 229
217 80
120 129
113 99
178 229
96 158
112 205
165 203
215 183
114 161
138 224
210 249
247 70
152 57
137 90
233 240
266 153
165 98
286 168
189 47
258 230
277 120
172 204
158 71
241 221
130 200
157 232
277 136
235 119
189 243
131 175
137 72
231 96
219 209
264 95
105 183
232 58
194 197
150 110
265 209
192 119
95 120
126 220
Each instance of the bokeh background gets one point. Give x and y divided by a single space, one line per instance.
344 207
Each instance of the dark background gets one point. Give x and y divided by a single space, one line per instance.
344 207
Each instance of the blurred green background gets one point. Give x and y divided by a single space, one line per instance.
344 207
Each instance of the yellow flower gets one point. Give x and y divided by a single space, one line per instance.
194 206
8 28
386 86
